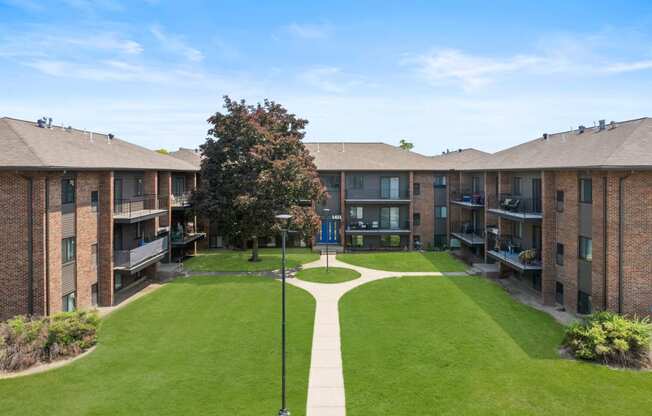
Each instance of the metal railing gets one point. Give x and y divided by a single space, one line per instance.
510 248
143 204
135 256
516 205
467 196
467 228
182 200
372 225
375 194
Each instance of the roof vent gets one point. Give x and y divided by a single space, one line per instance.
602 125
50 122
581 129
111 136
459 150
545 136
612 125
69 129
41 122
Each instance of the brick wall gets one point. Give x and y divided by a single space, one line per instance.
87 235
424 205
105 236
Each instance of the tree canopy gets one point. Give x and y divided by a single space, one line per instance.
405 145
254 167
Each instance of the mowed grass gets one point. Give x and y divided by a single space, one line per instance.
333 275
412 261
462 346
198 346
238 260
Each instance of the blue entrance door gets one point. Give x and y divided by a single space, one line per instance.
330 231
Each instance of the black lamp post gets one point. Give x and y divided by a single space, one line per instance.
327 210
285 220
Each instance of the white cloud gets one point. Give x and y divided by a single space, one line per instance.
309 31
176 44
330 79
46 41
629 66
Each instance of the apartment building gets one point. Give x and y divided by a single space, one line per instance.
86 217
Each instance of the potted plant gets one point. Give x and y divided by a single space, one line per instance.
527 256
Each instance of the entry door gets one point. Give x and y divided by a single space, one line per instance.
117 194
536 195
329 232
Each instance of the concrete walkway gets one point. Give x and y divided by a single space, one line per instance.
326 383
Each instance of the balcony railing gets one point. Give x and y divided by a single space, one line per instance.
513 206
468 198
127 259
364 194
183 200
374 225
139 206
468 233
509 249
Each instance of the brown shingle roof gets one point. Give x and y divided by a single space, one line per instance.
627 144
25 145
188 155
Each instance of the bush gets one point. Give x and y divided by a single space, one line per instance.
610 338
25 341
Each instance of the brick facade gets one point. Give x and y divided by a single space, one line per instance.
423 204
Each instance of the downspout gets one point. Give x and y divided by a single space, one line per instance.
605 239
621 239
47 246
30 248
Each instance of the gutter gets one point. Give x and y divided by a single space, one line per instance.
47 246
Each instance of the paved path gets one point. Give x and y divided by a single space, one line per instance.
326 383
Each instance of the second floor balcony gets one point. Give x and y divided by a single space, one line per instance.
145 254
139 208
181 201
376 195
515 207
468 234
510 251
370 226
468 198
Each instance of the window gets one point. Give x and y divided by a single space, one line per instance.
68 250
95 201
416 218
583 303
416 189
560 201
475 184
117 281
389 218
357 241
94 294
331 181
356 213
517 229
416 240
389 188
139 191
560 254
390 241
516 185
585 249
441 212
357 182
94 259
586 191
559 293
68 302
440 180
178 185
67 191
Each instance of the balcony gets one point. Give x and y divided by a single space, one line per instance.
139 208
142 256
513 207
180 240
182 201
508 250
467 234
370 196
468 199
375 227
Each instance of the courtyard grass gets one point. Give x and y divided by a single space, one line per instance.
462 346
223 260
333 275
197 346
412 261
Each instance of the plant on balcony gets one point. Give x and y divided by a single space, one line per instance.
26 341
254 167
527 256
610 338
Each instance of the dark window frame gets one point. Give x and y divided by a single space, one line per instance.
95 201
441 208
68 251
65 302
416 188
586 190
357 181
416 218
139 187
560 201
517 183
68 191
390 240
559 254
585 248
440 181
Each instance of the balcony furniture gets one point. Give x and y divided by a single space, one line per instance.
477 199
510 204
374 225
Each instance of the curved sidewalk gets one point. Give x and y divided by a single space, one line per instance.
326 395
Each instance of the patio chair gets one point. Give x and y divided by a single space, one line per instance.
510 204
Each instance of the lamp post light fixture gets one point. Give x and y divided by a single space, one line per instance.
327 210
285 222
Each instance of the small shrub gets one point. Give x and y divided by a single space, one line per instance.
610 338
25 341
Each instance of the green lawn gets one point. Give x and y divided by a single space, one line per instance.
238 261
198 346
462 346
413 261
333 275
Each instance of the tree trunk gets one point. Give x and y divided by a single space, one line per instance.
254 249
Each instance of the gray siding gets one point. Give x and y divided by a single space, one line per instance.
586 219
584 275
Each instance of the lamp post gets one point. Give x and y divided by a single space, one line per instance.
283 218
327 210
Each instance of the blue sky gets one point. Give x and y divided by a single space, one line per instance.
441 74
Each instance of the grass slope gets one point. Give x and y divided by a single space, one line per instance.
334 275
199 346
413 261
461 346
238 261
